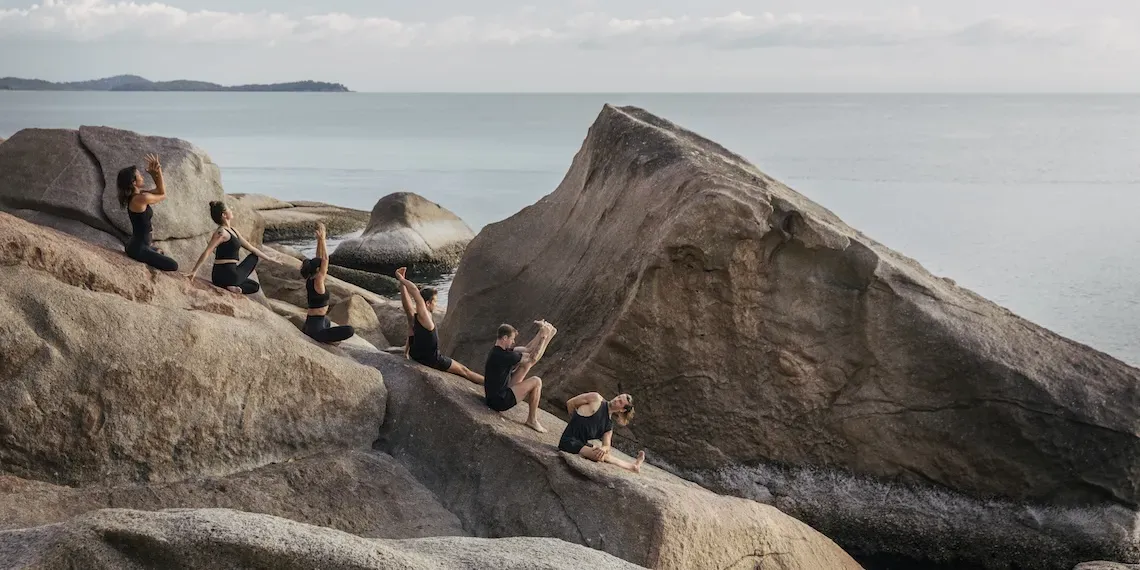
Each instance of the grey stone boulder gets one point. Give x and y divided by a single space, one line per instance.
406 229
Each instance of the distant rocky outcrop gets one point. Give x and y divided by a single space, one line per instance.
217 539
502 479
406 230
65 179
136 83
759 333
111 373
286 221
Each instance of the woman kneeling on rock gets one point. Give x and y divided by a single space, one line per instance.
423 339
227 243
137 201
315 270
592 417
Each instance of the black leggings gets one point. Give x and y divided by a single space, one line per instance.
237 275
148 255
320 329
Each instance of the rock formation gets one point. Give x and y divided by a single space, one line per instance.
65 179
755 328
406 229
356 311
502 479
1106 566
109 372
285 221
219 539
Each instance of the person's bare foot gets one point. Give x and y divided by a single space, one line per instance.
234 289
638 462
534 425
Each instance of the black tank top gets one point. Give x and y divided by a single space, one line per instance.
140 225
316 300
230 248
425 343
585 428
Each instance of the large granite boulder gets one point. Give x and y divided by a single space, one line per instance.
66 179
356 312
220 539
112 373
502 479
757 329
365 493
406 229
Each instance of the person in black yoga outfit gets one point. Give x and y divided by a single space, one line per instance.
227 243
503 389
137 201
424 346
592 417
314 270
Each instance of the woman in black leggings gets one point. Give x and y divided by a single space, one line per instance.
137 201
227 243
314 270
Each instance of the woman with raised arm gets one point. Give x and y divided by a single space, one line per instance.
227 243
425 338
315 270
138 203
592 417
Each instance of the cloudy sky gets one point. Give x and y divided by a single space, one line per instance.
587 45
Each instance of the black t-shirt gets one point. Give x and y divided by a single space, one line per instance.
497 371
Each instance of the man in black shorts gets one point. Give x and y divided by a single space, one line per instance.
504 389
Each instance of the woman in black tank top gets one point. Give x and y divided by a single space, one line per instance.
137 201
423 339
317 325
592 417
227 243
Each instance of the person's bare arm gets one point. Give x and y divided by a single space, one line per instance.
154 168
421 306
607 439
579 401
250 248
405 297
214 241
323 255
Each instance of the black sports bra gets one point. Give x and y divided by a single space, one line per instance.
228 249
316 300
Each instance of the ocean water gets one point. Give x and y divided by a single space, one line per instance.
1030 200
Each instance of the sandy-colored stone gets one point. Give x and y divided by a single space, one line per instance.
756 327
261 201
356 312
406 230
365 493
112 372
502 479
220 539
300 221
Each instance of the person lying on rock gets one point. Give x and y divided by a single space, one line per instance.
315 270
592 417
425 338
138 203
504 389
227 243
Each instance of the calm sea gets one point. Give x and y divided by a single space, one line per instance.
1031 201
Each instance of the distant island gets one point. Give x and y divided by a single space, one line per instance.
136 83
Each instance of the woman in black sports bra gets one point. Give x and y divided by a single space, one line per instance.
423 338
315 270
227 243
138 203
592 417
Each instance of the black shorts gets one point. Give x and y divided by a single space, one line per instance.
503 401
437 361
571 445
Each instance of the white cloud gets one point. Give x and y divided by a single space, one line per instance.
91 20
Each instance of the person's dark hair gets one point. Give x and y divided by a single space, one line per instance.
506 331
126 184
216 211
428 293
310 266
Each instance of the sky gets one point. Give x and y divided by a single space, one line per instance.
587 45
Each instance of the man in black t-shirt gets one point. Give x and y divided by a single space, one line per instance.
504 389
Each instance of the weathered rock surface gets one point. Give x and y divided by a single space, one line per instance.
365 493
502 479
375 282
406 229
356 312
65 179
261 201
220 539
756 327
111 373
300 221
1106 566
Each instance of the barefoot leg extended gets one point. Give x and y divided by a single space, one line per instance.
530 391
596 454
461 370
